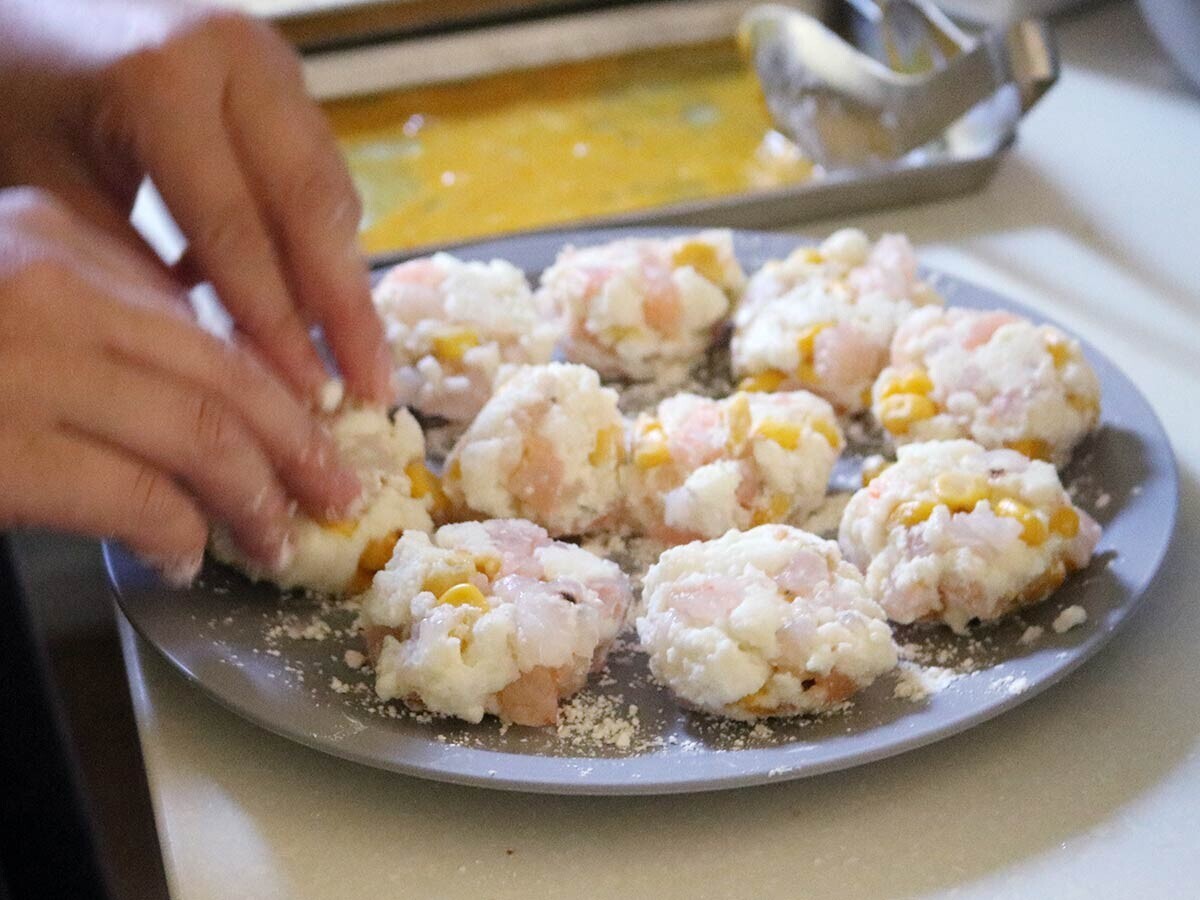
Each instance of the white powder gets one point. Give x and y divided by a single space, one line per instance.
598 720
916 683
1031 635
1069 618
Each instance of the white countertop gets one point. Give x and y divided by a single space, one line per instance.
1090 790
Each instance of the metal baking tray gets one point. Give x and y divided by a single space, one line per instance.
962 161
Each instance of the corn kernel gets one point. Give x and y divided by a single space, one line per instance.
960 490
807 340
785 434
1065 521
812 256
898 412
913 381
450 347
344 527
763 382
651 453
827 430
738 420
488 565
776 510
1034 448
448 572
464 594
806 373
864 396
454 471
912 512
423 481
700 256
1059 347
608 446
1085 405
1033 527
378 551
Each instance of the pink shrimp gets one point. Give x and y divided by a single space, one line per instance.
698 439
710 600
517 539
533 698
537 479
983 326
891 268
805 570
846 359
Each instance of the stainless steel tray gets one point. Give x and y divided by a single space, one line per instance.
961 162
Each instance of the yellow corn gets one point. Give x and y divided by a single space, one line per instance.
700 256
785 434
454 471
777 509
898 412
448 572
807 340
806 373
378 551
763 382
912 512
608 446
864 396
1033 527
1065 521
450 347
488 565
344 527
738 420
812 255
1034 448
827 430
913 381
1059 347
959 490
464 594
423 481
651 453
1085 405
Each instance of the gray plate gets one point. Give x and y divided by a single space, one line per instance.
232 639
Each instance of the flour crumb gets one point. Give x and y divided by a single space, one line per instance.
1103 500
354 659
1031 635
916 683
338 686
1069 618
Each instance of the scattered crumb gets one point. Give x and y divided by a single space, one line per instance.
1010 684
1102 501
916 683
1069 618
338 686
1031 635
598 720
354 659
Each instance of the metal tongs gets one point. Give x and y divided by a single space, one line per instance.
858 81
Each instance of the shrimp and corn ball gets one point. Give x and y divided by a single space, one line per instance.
453 325
823 318
766 622
547 447
398 495
952 532
491 617
699 467
990 376
643 308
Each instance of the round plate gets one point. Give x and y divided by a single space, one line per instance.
275 660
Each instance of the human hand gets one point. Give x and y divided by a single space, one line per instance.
211 106
120 417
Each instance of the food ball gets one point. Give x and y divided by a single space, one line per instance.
823 318
491 617
643 308
952 532
700 467
547 447
453 325
398 494
766 622
990 376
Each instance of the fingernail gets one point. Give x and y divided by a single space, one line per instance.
287 552
179 572
331 395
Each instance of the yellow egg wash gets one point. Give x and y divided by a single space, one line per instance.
527 149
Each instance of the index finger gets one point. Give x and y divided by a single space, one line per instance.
292 162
